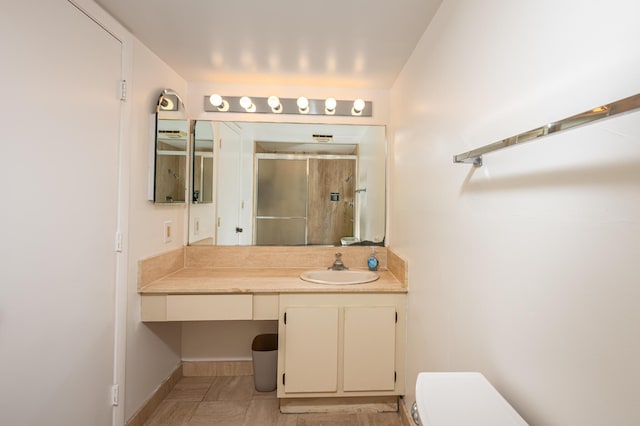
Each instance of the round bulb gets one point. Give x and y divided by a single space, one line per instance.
330 104
303 103
358 105
245 102
215 100
274 102
167 104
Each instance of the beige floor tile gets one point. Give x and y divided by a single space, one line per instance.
231 388
288 420
220 413
264 395
196 380
233 401
185 391
379 419
263 412
172 413
327 420
266 412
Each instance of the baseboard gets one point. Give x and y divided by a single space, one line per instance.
150 405
217 368
350 405
405 415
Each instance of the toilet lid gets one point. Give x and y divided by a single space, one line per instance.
459 399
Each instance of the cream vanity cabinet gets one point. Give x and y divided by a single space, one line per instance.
341 344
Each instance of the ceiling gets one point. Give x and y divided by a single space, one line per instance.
330 43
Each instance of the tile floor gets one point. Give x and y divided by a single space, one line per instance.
233 401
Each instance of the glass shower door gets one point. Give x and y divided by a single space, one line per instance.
281 201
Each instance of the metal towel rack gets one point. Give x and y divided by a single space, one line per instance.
622 106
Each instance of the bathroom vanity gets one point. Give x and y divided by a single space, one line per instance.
334 340
341 344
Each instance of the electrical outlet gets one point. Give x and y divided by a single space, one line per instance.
167 231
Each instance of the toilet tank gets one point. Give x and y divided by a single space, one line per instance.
460 399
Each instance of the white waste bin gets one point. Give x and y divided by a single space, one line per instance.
264 351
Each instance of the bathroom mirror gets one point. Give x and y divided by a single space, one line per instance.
170 150
293 184
202 163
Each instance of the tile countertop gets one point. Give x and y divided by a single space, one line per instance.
260 280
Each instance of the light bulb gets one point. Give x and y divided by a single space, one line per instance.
167 104
358 106
330 104
215 100
245 102
274 103
303 103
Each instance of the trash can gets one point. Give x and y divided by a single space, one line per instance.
264 351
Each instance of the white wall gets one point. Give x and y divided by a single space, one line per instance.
204 213
153 350
372 167
524 269
222 340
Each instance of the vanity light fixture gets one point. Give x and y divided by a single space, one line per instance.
274 104
358 107
247 104
303 105
330 106
218 102
294 106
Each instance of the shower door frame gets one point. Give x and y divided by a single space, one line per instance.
306 157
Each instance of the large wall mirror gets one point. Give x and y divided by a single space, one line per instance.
169 172
287 184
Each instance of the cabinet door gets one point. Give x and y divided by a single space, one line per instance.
311 349
369 348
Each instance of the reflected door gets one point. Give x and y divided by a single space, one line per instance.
229 188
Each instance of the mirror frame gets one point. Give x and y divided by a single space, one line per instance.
384 183
200 199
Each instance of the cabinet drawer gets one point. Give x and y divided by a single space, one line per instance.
207 307
153 307
265 306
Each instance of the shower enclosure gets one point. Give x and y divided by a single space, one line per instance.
304 199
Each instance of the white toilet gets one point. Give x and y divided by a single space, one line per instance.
461 399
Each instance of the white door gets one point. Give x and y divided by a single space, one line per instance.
60 114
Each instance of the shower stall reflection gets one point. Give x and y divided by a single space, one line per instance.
304 199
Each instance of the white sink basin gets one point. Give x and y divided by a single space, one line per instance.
328 276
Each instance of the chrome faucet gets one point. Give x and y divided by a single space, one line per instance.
337 264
